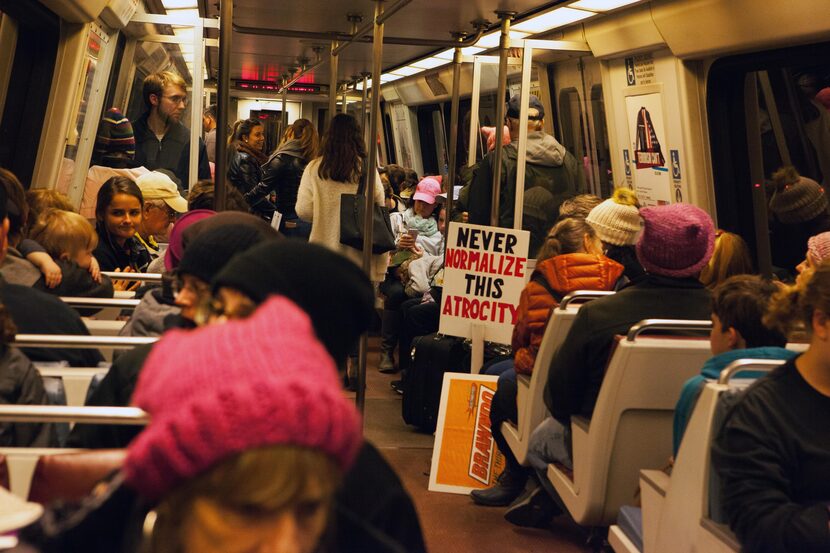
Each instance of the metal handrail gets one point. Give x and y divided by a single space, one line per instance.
583 295
142 277
80 341
741 365
666 324
122 303
60 413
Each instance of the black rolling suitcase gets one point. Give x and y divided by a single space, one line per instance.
432 356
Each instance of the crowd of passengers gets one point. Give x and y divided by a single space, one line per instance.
255 446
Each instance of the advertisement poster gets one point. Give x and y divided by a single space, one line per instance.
464 456
484 274
647 135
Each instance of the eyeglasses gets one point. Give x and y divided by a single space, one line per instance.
177 99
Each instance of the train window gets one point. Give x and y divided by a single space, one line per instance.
389 136
766 112
573 124
428 138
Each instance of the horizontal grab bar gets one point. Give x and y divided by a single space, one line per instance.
123 303
59 413
666 324
143 277
80 341
581 295
741 365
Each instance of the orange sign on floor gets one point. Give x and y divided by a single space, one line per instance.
464 456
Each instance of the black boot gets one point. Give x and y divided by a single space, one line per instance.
509 486
390 327
533 509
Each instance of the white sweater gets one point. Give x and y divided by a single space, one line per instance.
318 201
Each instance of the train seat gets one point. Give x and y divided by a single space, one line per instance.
530 398
71 384
71 476
98 327
632 423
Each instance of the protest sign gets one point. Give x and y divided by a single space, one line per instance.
484 274
464 456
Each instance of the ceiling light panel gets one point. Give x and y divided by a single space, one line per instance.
553 19
429 63
190 12
388 78
492 40
179 4
405 71
602 5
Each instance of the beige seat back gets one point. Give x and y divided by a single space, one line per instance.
632 421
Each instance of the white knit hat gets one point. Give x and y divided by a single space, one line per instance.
615 223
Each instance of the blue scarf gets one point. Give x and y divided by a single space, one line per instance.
426 227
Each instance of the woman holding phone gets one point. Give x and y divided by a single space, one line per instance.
416 233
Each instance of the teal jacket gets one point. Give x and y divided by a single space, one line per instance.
711 370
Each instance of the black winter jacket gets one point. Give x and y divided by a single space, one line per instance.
172 152
281 174
577 370
21 384
111 256
243 168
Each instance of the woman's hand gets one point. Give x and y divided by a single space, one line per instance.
406 242
124 285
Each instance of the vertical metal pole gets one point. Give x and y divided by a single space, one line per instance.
452 170
332 82
196 94
756 170
521 158
222 101
284 118
343 107
364 99
475 101
504 45
371 177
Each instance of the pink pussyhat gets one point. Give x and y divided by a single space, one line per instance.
677 240
818 247
214 392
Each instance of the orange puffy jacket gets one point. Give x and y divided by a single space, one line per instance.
564 273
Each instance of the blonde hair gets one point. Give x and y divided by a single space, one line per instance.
63 232
155 83
566 236
255 483
304 131
579 206
730 257
791 310
41 199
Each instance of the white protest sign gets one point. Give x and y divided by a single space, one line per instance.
484 274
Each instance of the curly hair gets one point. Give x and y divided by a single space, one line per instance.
791 310
342 149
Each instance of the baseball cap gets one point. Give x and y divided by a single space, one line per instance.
514 105
428 189
158 186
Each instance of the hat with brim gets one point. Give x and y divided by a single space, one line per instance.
427 190
158 186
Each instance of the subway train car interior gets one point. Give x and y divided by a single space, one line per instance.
414 275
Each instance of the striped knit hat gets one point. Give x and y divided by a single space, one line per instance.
796 199
115 134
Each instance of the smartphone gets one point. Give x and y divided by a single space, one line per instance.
413 232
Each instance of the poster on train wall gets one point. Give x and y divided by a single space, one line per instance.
652 180
464 456
484 274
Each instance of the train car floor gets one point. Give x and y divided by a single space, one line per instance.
451 523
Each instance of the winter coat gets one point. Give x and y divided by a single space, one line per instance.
432 245
111 256
318 201
150 315
281 174
95 179
21 384
76 282
577 370
243 167
35 312
16 269
422 272
564 274
172 152
552 175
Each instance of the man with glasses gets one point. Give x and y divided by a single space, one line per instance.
162 142
162 204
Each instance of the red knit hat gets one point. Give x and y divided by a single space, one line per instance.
677 240
224 389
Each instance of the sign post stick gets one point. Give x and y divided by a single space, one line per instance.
477 357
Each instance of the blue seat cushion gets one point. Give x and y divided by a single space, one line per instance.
630 521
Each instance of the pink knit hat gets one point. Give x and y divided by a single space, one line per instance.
215 391
818 247
677 240
176 248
